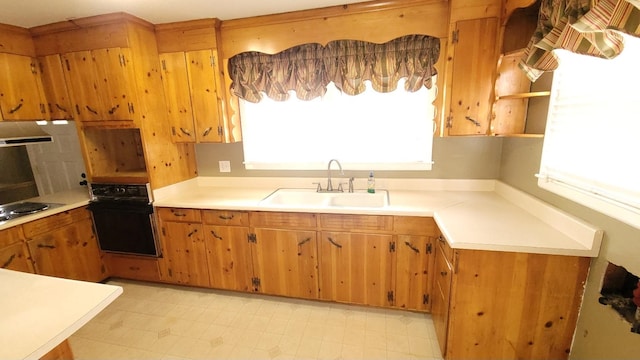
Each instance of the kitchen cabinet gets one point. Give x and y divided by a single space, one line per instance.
54 87
473 68
284 251
21 96
183 247
132 267
229 261
192 80
65 245
191 90
492 304
99 82
14 254
414 261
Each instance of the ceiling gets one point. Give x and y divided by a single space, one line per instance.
30 13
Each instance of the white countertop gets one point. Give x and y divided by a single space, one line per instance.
65 200
39 312
472 214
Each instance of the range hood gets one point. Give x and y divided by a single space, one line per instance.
14 133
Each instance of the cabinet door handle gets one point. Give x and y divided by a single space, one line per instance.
191 233
216 235
113 109
412 247
185 131
46 246
15 108
333 242
225 217
443 273
207 131
475 122
304 241
61 108
9 261
91 110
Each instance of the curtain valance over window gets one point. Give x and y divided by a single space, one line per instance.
309 68
581 26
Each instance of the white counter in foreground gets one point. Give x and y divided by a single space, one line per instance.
39 312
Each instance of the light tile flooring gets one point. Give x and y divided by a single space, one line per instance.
153 321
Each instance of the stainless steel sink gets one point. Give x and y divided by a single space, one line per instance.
310 198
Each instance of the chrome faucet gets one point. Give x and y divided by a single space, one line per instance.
329 185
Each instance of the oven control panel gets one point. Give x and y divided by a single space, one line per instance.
131 192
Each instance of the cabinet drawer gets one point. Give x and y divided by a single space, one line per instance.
414 225
356 222
178 214
11 235
224 217
136 268
445 248
56 221
283 220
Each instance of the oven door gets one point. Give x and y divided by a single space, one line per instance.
125 227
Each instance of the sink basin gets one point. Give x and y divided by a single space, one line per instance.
310 198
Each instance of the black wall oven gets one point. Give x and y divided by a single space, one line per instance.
124 219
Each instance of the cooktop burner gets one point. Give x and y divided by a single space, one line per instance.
16 210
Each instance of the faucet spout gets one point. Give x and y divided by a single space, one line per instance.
329 185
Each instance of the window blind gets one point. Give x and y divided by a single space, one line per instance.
591 150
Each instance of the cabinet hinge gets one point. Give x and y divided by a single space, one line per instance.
392 246
455 36
213 61
43 109
252 238
164 65
164 233
255 282
429 248
131 108
123 61
425 299
390 296
34 70
449 123
220 130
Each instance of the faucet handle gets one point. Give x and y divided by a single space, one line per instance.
319 187
340 189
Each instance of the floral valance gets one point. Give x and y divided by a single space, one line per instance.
308 69
589 27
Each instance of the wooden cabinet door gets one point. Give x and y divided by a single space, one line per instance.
20 89
177 94
185 255
440 299
114 72
83 85
54 87
202 67
15 257
229 257
285 262
413 271
70 251
474 65
356 268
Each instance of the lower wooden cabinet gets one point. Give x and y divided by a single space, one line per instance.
14 254
65 245
507 305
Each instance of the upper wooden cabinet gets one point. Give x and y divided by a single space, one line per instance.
54 87
473 68
192 80
191 89
21 97
100 84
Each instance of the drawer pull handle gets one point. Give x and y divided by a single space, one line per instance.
412 247
46 246
9 261
226 217
443 273
334 243
178 214
91 110
304 241
216 235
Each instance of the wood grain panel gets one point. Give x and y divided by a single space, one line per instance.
184 254
413 272
414 225
187 35
203 86
20 93
356 268
178 214
515 305
54 87
229 257
282 220
225 217
355 222
53 222
178 96
16 40
16 257
11 235
133 267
